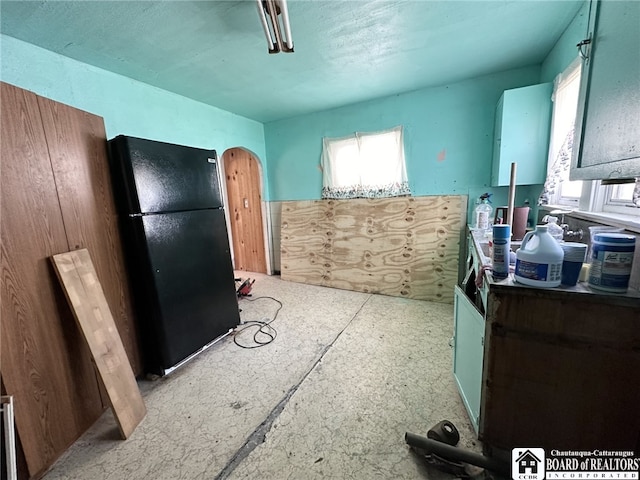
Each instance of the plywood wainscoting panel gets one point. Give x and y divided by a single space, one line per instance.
403 246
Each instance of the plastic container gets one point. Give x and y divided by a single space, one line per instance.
539 259
482 216
501 249
555 230
574 256
611 261
599 229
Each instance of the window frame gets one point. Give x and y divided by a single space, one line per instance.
610 204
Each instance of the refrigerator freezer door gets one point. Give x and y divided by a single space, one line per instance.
195 299
163 177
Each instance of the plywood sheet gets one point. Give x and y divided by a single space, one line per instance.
404 246
86 297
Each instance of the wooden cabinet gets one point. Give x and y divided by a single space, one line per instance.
562 370
560 366
55 197
608 126
521 135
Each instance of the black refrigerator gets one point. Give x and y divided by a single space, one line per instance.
176 245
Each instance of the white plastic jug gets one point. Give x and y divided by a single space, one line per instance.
539 259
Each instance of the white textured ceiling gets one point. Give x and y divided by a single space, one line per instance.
345 51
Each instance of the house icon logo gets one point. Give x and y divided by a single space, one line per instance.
527 464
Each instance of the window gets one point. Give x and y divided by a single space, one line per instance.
589 196
621 198
620 194
558 189
369 165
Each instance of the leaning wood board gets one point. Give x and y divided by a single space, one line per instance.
403 246
91 311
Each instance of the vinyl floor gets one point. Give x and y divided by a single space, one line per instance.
331 397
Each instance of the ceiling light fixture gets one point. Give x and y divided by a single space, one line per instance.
275 22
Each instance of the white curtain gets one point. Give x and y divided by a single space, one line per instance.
565 106
369 165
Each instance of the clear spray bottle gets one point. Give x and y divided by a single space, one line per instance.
482 214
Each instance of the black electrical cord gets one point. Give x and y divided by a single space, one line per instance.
264 329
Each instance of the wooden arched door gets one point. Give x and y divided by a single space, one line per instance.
244 197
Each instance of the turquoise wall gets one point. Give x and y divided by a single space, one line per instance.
128 107
448 132
448 129
565 51
448 135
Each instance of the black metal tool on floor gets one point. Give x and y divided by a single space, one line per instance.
440 444
444 431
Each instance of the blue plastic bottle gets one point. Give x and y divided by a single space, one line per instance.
501 249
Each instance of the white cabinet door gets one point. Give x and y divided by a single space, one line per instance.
468 353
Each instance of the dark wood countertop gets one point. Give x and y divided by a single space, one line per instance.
631 298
